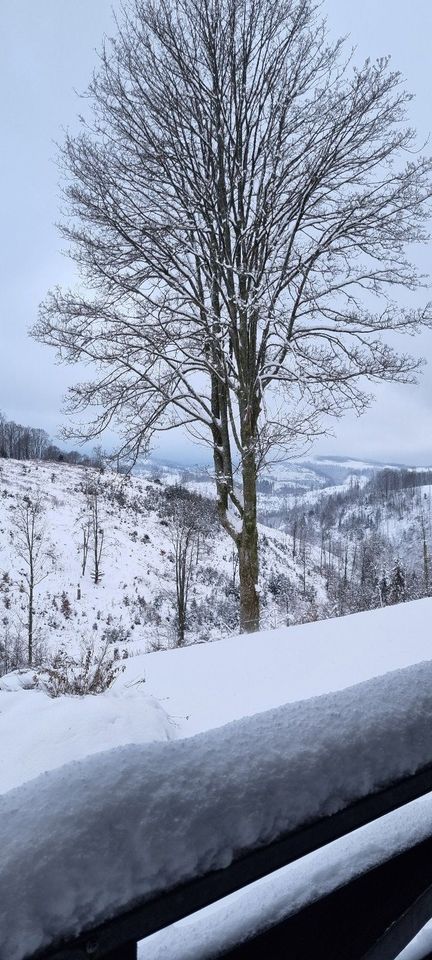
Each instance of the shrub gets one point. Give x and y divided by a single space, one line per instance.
93 671
13 650
65 606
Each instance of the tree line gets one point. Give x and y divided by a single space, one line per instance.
18 442
372 544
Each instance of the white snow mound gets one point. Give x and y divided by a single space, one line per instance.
85 841
48 733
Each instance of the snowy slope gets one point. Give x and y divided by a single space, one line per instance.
134 602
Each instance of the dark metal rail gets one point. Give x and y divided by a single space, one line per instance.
366 918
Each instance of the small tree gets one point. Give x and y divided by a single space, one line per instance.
86 528
383 589
397 589
33 550
425 551
189 523
97 531
91 529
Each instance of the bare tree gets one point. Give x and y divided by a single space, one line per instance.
240 208
190 523
34 552
90 525
425 550
97 531
21 443
86 528
185 536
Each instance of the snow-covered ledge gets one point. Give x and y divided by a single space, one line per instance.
83 842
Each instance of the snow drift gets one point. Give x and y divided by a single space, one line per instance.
88 840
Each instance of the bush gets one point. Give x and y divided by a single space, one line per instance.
92 672
14 651
65 606
115 633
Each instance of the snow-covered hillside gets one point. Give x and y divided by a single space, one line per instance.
133 604
374 537
281 485
174 693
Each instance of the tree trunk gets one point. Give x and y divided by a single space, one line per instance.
181 590
248 551
30 623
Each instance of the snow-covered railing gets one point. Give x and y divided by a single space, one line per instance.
147 834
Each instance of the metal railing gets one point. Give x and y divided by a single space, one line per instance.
372 917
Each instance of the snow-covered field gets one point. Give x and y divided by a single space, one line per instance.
179 693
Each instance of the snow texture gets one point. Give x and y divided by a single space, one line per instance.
208 685
87 840
48 733
210 932
205 686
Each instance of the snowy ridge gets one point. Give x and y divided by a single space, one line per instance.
85 841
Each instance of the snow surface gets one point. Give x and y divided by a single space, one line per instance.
207 685
420 947
41 733
84 841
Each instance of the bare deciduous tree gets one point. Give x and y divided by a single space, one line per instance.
240 208
22 443
185 537
86 527
190 523
92 533
97 531
35 553
425 549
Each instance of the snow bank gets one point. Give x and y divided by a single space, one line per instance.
85 841
38 733
210 684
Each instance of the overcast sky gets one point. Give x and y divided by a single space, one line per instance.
47 53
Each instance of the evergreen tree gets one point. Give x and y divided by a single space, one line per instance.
397 593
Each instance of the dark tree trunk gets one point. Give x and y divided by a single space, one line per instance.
248 551
30 621
182 561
